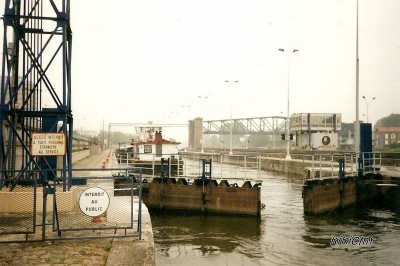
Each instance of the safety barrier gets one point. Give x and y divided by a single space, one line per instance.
224 166
335 164
39 210
152 165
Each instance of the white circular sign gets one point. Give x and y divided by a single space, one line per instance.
326 140
94 201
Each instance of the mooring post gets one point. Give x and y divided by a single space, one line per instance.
397 200
140 204
341 177
44 207
341 168
47 189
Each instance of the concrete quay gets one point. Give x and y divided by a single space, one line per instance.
104 251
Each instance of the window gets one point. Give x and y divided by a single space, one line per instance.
148 149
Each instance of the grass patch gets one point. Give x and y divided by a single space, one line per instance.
108 246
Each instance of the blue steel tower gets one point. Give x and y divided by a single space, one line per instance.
35 88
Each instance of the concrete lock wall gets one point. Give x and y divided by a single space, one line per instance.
284 166
76 157
23 201
269 164
80 155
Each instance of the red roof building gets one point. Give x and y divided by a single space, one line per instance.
385 136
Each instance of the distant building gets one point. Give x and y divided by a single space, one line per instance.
346 136
385 136
316 130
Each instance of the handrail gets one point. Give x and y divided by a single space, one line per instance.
243 163
370 161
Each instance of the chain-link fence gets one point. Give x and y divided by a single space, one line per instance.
91 208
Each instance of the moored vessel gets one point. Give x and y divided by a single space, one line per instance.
153 154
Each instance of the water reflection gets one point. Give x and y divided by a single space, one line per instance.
283 235
206 234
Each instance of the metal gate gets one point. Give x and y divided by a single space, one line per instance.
87 206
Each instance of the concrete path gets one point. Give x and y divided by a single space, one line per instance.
392 171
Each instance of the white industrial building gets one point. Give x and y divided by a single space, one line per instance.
316 130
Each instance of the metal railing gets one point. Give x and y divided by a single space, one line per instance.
224 166
371 162
317 165
150 166
188 165
89 208
321 165
328 165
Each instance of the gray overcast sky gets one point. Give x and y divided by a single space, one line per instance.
141 60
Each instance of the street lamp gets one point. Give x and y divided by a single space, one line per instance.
367 104
288 157
202 98
199 106
357 125
231 127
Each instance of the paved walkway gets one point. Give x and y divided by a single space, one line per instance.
110 252
392 171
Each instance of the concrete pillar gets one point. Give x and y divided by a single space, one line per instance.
195 133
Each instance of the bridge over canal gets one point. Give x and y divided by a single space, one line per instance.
267 125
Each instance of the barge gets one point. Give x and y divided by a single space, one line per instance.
149 154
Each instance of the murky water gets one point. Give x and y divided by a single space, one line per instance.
283 235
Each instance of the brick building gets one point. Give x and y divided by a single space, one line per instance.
385 136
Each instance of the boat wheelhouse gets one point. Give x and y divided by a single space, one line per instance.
152 154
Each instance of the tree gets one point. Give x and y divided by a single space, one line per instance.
392 120
117 137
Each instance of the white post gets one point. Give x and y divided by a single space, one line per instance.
231 126
357 125
288 157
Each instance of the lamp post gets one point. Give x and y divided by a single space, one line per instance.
288 157
357 125
202 98
231 127
367 104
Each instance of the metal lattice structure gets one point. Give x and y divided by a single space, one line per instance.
35 85
253 126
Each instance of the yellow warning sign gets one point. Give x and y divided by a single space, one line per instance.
48 144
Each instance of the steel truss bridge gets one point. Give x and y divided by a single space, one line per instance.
269 125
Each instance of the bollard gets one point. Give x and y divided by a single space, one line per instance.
104 165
